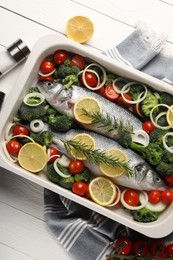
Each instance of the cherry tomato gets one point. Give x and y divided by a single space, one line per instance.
169 250
47 66
76 166
101 91
148 126
52 152
20 130
46 78
157 248
154 196
123 246
78 61
60 57
167 196
135 112
13 147
131 197
122 102
87 193
169 179
140 247
90 79
110 93
79 188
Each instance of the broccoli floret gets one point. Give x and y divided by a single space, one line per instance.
156 136
67 182
44 138
85 176
33 90
138 148
135 91
125 140
164 168
75 70
64 71
51 111
154 153
110 78
52 174
166 98
70 80
60 123
148 103
28 113
144 215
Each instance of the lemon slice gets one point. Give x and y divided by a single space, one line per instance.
169 116
86 140
32 157
90 104
102 191
109 170
79 29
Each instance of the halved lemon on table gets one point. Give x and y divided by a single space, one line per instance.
108 169
83 139
79 29
169 116
32 157
102 191
88 104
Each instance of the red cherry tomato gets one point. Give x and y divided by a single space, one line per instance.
90 79
46 78
60 57
167 196
20 130
154 196
76 166
101 91
135 111
110 93
52 152
78 61
157 248
148 126
13 147
79 188
140 248
131 197
123 246
122 102
87 193
169 179
169 250
47 66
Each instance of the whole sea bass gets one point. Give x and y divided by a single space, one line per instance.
143 176
63 101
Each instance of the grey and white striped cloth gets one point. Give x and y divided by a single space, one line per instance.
85 234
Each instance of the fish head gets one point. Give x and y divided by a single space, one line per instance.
57 96
148 178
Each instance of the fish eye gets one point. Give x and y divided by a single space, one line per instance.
49 84
157 179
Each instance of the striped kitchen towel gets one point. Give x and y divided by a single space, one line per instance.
85 234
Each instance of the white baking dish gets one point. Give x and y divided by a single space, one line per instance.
44 47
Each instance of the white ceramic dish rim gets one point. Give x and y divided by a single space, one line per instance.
44 47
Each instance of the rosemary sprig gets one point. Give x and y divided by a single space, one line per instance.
109 123
96 156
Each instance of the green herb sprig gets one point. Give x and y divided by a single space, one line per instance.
96 156
109 123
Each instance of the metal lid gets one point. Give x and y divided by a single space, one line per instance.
18 50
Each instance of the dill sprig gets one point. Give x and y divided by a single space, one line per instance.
96 156
109 123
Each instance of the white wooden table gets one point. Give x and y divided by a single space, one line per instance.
23 232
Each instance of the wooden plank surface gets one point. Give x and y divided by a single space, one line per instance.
23 232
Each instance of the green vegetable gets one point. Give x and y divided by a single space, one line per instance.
51 111
52 174
110 78
34 90
64 70
67 182
85 176
144 215
125 140
70 80
156 136
148 103
44 138
166 98
165 167
60 123
28 113
135 91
